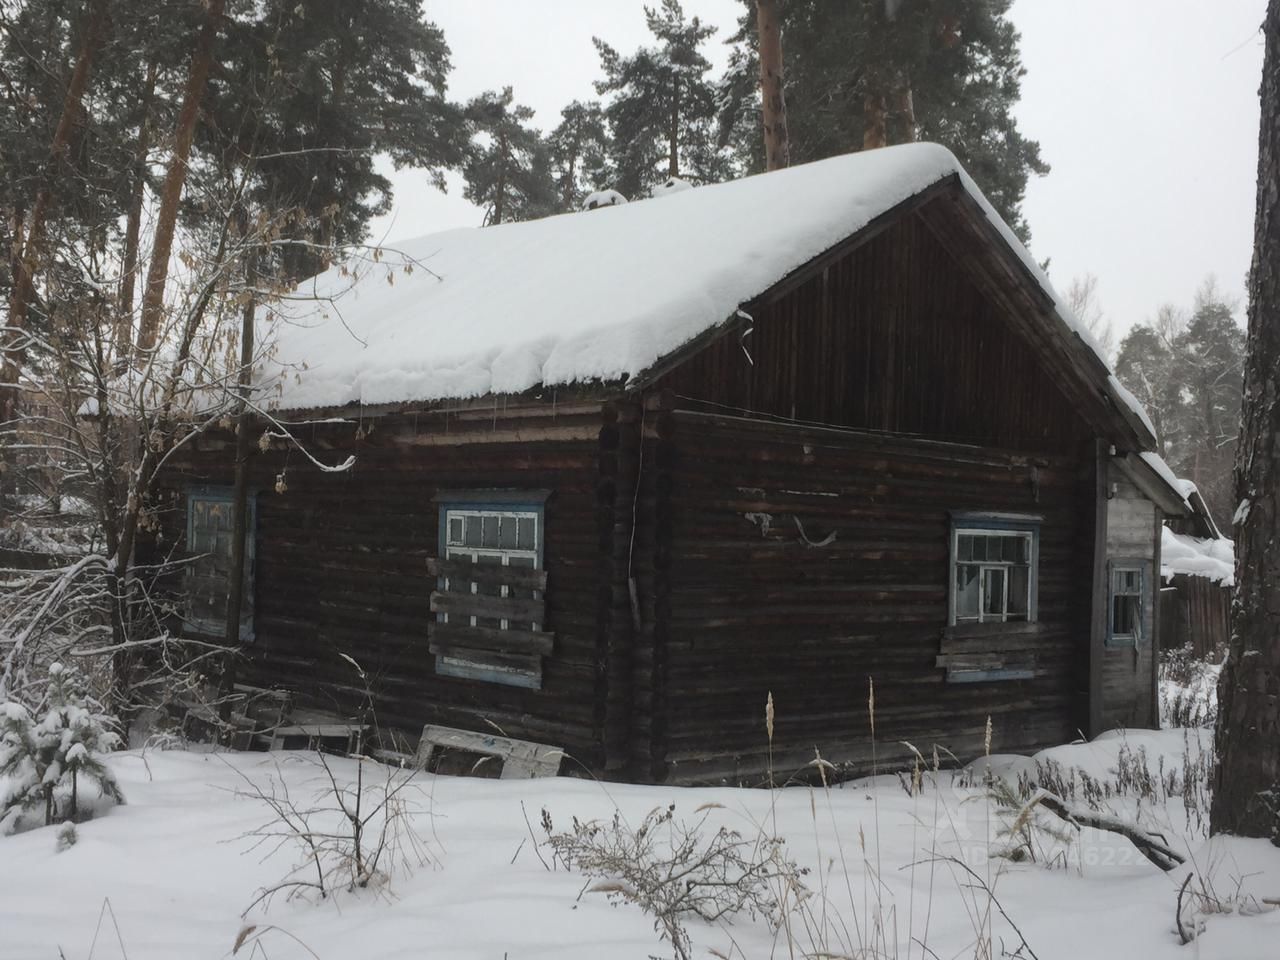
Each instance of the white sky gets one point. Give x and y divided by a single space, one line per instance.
1147 111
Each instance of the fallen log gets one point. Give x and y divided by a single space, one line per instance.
1149 845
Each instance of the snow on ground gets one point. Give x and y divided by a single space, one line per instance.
177 872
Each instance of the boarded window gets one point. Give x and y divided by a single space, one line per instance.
993 574
210 539
489 599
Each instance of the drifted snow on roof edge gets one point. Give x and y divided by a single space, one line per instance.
583 297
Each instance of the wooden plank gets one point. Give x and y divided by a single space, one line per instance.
464 571
459 636
479 605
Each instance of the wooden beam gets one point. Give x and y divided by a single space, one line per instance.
456 635
1098 601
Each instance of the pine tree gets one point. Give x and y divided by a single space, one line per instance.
309 93
1186 370
875 72
508 171
579 148
661 107
46 753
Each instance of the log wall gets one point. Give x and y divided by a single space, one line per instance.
342 563
806 563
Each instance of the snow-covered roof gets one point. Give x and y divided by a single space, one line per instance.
1198 557
597 296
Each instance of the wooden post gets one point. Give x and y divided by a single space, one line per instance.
1098 618
240 497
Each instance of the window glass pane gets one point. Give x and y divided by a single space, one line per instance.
455 530
979 548
507 537
1019 592
964 547
1009 549
993 592
490 536
966 592
1124 615
527 536
472 538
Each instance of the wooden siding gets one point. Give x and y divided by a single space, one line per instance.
897 337
1133 530
342 563
805 562
1195 612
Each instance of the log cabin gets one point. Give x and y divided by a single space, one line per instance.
620 476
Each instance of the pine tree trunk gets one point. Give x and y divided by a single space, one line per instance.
673 135
907 112
874 121
777 147
133 224
176 178
500 189
1246 798
26 255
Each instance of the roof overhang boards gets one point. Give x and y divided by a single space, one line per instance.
1152 485
962 226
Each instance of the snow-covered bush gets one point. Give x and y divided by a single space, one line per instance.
1188 688
675 870
46 751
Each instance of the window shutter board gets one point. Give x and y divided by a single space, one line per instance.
525 663
458 637
461 571
482 605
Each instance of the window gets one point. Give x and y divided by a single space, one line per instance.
1128 600
507 533
210 529
993 571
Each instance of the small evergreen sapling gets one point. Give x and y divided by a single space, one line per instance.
46 752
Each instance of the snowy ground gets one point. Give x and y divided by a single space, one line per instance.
176 871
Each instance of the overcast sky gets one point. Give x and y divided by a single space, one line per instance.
1147 111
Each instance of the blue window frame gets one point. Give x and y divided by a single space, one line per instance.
210 535
504 528
995 566
1127 621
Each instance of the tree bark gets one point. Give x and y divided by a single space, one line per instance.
874 121
176 178
777 146
1246 797
123 338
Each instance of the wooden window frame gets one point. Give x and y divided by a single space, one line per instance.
1141 635
501 504
994 525
205 626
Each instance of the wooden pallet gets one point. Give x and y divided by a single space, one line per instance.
521 759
